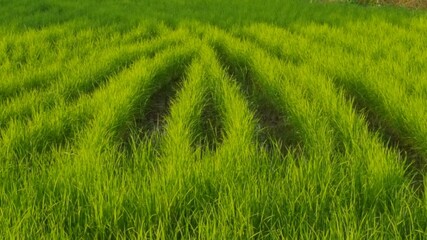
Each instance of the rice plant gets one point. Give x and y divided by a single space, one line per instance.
212 120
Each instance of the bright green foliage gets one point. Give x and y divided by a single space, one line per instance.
212 120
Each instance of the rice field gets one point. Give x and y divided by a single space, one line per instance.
207 127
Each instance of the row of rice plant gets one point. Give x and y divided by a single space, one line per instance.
48 52
83 78
35 59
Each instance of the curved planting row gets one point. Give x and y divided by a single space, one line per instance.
198 132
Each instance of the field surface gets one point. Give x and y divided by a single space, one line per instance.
212 119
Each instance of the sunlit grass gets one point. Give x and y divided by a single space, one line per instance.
212 120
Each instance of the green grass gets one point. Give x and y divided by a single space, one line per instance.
212 119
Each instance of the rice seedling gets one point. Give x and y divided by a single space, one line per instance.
212 120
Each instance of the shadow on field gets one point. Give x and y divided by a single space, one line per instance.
274 131
149 120
152 119
211 127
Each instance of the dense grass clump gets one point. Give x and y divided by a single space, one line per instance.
212 120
